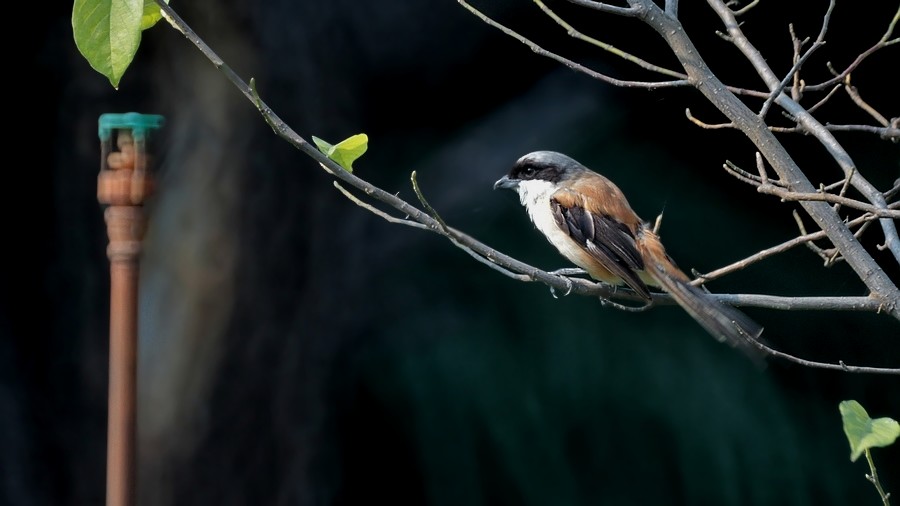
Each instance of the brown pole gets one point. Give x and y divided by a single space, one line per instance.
122 185
124 225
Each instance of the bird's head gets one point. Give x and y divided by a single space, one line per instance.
540 172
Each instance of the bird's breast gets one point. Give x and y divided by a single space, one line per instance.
535 196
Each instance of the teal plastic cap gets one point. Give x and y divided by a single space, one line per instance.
139 124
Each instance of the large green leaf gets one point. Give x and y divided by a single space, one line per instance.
345 152
863 432
108 33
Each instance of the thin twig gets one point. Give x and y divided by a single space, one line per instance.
651 85
841 237
378 212
820 41
840 366
607 47
837 206
628 12
774 250
882 43
434 214
827 255
537 49
891 134
885 133
797 87
820 103
743 175
743 10
708 126
791 196
778 190
873 478
854 96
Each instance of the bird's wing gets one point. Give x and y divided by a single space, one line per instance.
608 240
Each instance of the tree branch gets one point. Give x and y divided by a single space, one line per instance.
854 96
628 12
501 262
814 127
651 85
743 10
537 49
820 41
572 32
768 252
840 366
792 196
882 43
868 270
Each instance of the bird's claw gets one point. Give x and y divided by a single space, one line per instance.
569 287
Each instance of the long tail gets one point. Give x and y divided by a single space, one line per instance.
724 322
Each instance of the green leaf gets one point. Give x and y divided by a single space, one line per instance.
323 146
345 152
863 432
151 14
108 33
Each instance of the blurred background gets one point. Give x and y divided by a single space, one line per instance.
296 349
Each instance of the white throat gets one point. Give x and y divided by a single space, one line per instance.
535 193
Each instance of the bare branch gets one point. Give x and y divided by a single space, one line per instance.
818 130
651 85
837 207
791 196
854 95
434 214
746 177
628 12
770 252
672 8
537 49
820 103
708 126
882 43
892 134
797 87
831 256
743 10
840 366
378 212
888 195
820 41
607 47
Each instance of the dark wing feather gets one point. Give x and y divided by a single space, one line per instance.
609 241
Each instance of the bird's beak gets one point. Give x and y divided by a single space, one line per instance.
506 183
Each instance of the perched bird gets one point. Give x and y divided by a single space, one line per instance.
590 222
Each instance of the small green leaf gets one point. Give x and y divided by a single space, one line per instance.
348 150
345 152
151 14
323 146
108 33
863 432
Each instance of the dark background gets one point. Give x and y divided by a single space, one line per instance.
296 349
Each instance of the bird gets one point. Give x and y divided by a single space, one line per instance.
589 220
